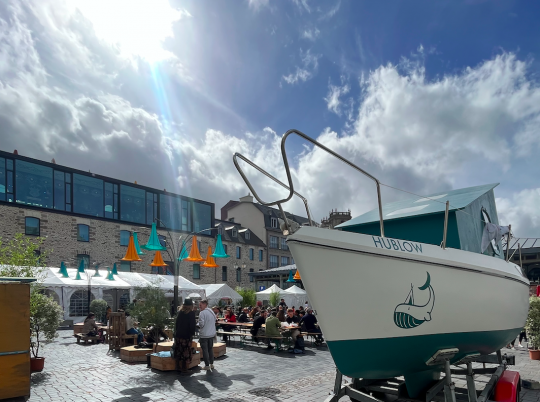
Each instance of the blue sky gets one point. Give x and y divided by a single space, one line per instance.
425 95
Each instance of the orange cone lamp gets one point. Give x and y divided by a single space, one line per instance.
131 253
194 254
210 262
158 260
297 276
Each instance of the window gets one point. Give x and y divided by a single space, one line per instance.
202 217
124 237
274 222
273 242
83 233
2 179
31 226
85 258
284 244
151 207
125 266
6 180
162 240
234 232
224 274
196 271
284 261
225 248
132 204
251 279
238 274
238 252
247 235
78 303
274 261
220 230
251 252
34 184
175 212
109 201
87 195
124 300
67 177
260 255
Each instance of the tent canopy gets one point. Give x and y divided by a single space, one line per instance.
265 294
218 291
294 296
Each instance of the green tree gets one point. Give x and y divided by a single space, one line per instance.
45 317
151 309
274 299
19 259
532 325
99 308
249 296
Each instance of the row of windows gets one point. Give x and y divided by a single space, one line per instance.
274 261
234 232
197 273
275 241
42 186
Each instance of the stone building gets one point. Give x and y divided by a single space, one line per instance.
85 216
264 222
335 218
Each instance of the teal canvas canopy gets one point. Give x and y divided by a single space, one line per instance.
219 252
153 243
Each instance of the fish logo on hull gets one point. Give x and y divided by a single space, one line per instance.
408 315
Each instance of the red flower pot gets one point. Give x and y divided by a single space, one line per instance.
36 364
534 354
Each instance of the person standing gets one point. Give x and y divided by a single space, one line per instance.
306 306
282 304
207 332
183 335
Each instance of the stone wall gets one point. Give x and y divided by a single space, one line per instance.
60 233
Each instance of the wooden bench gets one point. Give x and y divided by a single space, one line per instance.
86 338
277 340
312 335
234 334
133 337
167 363
133 354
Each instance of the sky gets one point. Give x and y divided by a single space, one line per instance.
425 96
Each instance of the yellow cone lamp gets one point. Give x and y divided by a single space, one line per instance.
158 260
131 253
194 254
210 262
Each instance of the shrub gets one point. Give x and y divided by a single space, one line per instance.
151 309
532 325
274 299
249 296
45 317
99 308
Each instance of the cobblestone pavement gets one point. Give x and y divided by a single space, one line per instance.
88 373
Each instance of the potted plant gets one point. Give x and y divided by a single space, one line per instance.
45 317
532 326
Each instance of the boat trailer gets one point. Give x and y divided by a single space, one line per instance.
503 385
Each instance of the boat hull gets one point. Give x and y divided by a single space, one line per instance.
385 311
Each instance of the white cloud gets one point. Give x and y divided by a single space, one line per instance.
310 63
332 99
332 11
302 5
522 212
310 34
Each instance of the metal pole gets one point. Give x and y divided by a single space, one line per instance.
508 244
520 261
176 269
445 224
89 287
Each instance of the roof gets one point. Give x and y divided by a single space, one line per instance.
276 271
270 212
218 291
430 204
241 234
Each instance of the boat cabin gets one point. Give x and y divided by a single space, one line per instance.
421 219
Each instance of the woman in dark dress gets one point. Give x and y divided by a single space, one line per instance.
183 334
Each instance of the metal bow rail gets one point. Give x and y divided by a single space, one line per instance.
290 187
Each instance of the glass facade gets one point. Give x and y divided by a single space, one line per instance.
109 201
175 212
34 184
202 217
59 190
87 195
2 179
132 204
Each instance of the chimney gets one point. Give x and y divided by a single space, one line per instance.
247 198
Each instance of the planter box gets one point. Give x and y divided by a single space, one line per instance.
77 328
164 362
131 354
220 349
166 346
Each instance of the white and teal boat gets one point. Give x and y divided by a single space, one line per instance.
397 285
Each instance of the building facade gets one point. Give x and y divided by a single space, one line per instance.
264 222
335 218
85 216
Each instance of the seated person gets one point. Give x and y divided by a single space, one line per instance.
292 319
131 328
272 326
310 320
150 338
90 327
281 314
229 317
254 313
243 316
257 330
217 311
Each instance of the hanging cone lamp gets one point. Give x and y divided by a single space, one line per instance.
153 243
210 262
220 251
114 270
297 276
81 266
183 254
158 260
109 274
63 270
78 277
131 253
194 254
137 247
291 279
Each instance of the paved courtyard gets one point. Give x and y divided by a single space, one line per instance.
89 373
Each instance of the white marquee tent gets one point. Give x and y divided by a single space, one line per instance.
265 294
294 296
70 292
219 291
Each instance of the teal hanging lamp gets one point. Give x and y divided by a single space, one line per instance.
291 278
97 272
137 247
114 270
81 266
109 274
183 254
63 270
78 277
153 243
220 251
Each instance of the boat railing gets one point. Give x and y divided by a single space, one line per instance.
290 187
